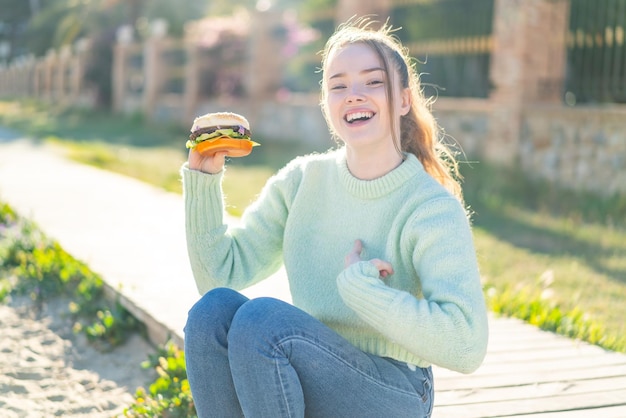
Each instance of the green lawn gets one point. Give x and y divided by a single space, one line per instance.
543 252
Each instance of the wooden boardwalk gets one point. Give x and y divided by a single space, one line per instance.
532 373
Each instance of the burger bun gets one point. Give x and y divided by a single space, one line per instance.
219 119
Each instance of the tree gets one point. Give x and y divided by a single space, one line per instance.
14 16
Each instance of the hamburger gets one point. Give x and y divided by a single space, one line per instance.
221 131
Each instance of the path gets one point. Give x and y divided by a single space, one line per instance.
133 235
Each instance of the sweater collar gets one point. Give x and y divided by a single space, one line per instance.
381 186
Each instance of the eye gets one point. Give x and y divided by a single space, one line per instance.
337 87
375 82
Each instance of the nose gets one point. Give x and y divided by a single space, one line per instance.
354 95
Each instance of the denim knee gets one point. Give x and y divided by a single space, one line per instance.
213 311
265 318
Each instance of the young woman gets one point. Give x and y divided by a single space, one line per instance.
377 247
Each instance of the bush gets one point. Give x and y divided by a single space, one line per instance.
532 305
169 396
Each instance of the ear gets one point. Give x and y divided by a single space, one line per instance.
405 103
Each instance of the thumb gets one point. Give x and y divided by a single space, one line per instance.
358 247
354 255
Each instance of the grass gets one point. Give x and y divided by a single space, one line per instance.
552 257
559 248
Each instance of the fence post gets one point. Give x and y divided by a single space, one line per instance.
192 80
50 64
81 49
25 75
123 39
527 66
62 77
37 77
265 61
150 54
153 71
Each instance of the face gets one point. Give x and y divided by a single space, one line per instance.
356 100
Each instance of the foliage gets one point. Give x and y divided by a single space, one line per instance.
8 217
110 327
534 305
176 14
169 396
14 14
14 11
58 23
32 264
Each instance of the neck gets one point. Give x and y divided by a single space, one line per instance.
372 165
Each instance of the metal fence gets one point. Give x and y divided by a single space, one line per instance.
596 52
451 41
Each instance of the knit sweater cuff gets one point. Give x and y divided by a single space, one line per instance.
204 208
366 294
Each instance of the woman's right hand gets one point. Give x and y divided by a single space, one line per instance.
211 164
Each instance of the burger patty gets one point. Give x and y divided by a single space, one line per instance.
210 129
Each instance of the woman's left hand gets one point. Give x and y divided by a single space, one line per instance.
384 268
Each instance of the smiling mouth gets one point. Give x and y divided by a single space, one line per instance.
358 116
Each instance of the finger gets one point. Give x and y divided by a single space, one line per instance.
213 164
384 268
358 247
220 157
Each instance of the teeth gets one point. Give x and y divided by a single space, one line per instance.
359 115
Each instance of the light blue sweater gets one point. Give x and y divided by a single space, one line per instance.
430 311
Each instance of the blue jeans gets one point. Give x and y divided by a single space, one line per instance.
266 358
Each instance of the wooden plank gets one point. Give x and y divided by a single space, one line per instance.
547 342
529 406
546 365
581 351
525 339
532 376
533 391
606 412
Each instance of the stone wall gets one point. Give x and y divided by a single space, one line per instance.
466 124
582 148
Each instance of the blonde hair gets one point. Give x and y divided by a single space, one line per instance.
419 132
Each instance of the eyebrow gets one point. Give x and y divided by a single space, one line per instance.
366 71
